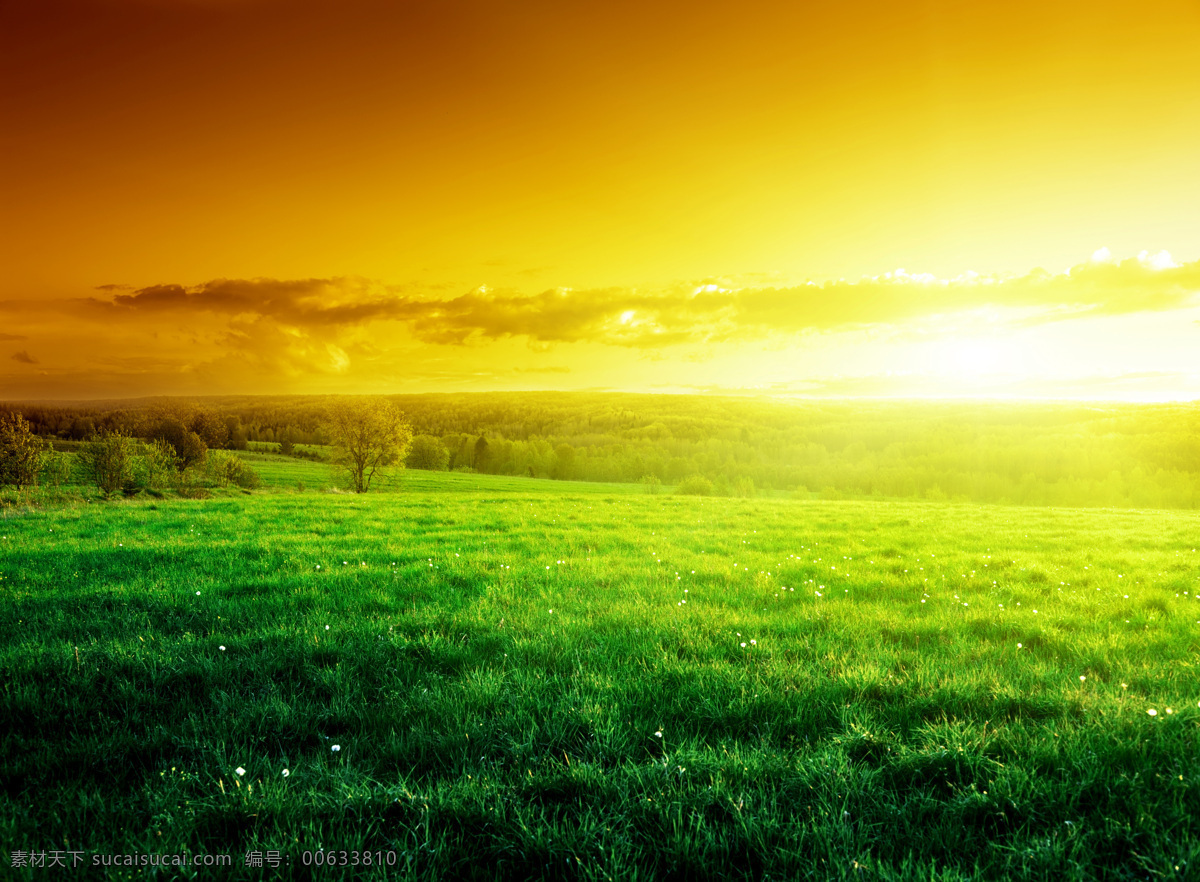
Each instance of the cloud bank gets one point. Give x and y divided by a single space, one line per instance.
343 332
708 311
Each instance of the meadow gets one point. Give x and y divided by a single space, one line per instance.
473 676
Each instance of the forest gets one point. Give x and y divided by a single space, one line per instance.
1031 453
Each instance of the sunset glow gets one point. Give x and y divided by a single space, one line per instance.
864 199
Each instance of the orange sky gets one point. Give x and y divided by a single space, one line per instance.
260 196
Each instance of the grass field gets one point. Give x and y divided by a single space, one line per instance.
471 677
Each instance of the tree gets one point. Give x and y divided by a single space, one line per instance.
694 485
427 452
367 433
108 460
56 468
236 432
82 428
156 463
564 462
20 451
482 457
209 428
189 447
463 458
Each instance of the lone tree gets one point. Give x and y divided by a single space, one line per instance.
20 451
367 434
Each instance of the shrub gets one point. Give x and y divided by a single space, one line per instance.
694 485
185 485
651 483
224 469
246 478
56 468
20 452
108 461
155 465
428 453
188 446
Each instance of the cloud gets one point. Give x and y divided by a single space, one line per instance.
6 337
327 334
704 312
1160 261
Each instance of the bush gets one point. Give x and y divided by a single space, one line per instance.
744 487
108 461
184 483
224 469
694 485
56 468
246 478
20 452
189 447
651 483
155 465
428 453
188 490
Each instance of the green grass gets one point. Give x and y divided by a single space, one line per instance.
536 679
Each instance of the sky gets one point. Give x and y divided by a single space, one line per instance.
927 199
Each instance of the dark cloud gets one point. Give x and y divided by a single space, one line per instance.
6 337
24 357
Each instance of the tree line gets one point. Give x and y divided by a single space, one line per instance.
183 444
1030 453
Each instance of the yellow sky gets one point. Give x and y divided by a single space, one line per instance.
260 196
